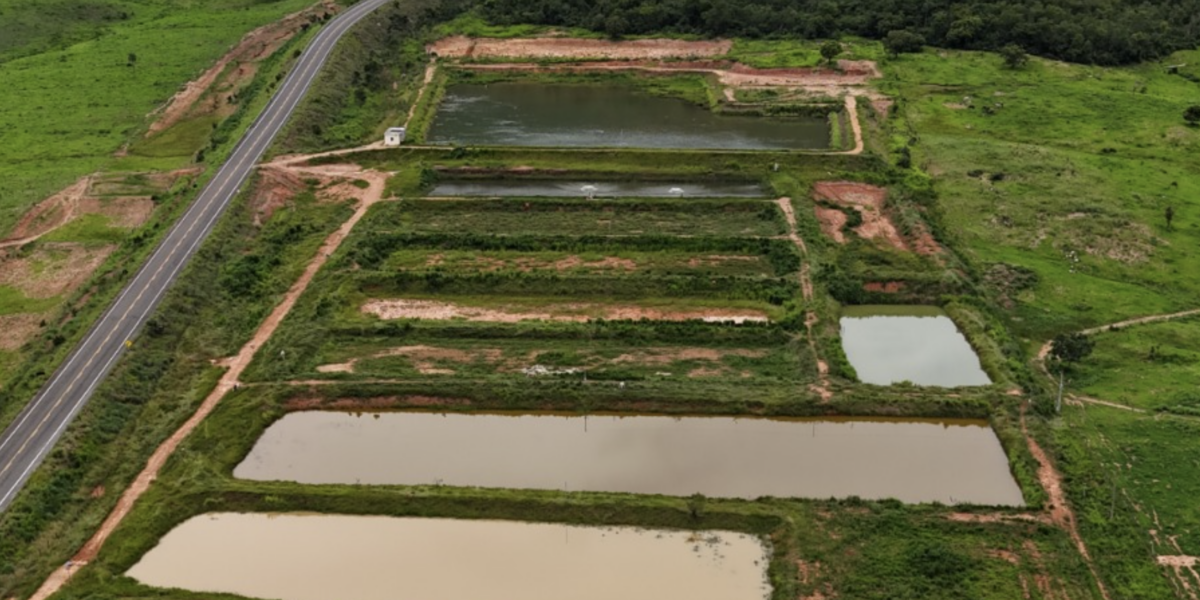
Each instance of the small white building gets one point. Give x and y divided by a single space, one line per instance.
394 136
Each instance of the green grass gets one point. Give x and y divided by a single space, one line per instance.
584 217
1128 474
797 53
1072 162
88 229
73 101
1148 366
472 25
13 301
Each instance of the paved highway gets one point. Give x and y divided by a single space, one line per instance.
29 438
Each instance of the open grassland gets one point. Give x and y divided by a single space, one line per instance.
1152 367
78 81
1054 179
1134 484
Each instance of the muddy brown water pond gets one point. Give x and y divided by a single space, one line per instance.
920 344
563 115
317 557
913 461
596 189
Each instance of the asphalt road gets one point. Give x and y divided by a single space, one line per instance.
30 437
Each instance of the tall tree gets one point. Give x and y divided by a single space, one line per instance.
830 50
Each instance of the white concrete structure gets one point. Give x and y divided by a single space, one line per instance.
394 136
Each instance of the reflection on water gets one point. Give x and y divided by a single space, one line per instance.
920 344
596 189
318 557
914 461
535 114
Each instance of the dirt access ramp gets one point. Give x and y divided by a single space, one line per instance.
235 69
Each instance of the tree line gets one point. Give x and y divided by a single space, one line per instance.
1104 32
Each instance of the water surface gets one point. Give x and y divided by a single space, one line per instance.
563 115
914 461
920 344
596 189
319 557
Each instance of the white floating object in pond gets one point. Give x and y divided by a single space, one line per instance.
675 190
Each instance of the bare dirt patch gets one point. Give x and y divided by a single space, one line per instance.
573 312
126 212
869 201
422 357
887 287
832 221
234 70
275 188
48 215
51 269
549 47
18 329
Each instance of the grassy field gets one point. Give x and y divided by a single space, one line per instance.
1066 171
72 95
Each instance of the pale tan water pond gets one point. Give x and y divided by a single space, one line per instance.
920 344
319 557
913 461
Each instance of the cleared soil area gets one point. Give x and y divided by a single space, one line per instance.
573 312
877 224
124 204
51 269
465 47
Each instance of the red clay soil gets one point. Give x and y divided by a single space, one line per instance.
552 47
253 47
868 200
887 287
832 221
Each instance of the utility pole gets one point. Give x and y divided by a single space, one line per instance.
1058 403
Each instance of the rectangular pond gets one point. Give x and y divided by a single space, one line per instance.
588 116
594 189
920 344
913 461
318 557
